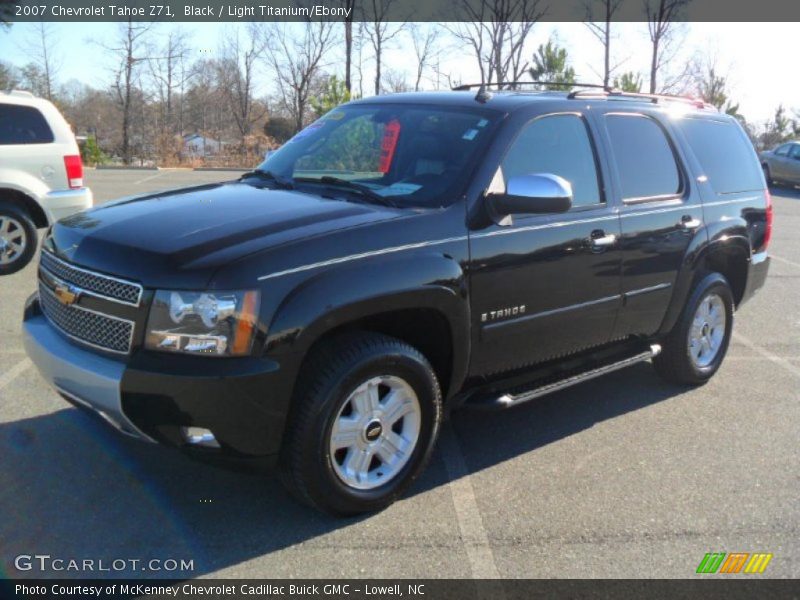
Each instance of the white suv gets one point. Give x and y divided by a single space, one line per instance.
41 175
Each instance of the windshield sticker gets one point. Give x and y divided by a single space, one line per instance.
483 123
308 130
399 189
391 133
470 134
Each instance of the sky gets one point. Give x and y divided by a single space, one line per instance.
756 58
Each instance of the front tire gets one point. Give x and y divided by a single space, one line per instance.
365 420
17 239
697 345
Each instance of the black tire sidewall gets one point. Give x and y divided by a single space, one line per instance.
22 217
323 482
717 284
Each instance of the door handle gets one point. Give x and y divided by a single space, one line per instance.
599 239
688 222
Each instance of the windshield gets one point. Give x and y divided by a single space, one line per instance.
412 155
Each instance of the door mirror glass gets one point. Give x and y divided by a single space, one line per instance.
534 194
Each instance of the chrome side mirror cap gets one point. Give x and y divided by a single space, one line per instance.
541 193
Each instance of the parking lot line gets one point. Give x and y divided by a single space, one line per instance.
782 362
159 174
14 372
784 261
470 522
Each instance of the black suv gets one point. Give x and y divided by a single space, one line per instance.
399 257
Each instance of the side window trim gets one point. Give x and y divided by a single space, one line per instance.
683 192
590 134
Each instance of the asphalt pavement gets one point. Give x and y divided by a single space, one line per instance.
624 476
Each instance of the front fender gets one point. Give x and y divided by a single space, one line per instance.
336 297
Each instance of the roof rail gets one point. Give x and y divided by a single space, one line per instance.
654 98
511 85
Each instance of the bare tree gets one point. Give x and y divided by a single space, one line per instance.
9 76
395 82
129 51
496 32
239 53
425 41
296 59
602 30
170 74
380 30
349 6
661 25
43 52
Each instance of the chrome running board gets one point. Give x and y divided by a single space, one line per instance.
509 400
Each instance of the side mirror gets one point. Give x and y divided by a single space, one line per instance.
534 194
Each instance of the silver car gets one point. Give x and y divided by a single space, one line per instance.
782 165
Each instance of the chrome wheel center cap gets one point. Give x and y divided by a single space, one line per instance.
373 430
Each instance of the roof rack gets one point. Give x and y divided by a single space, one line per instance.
654 98
511 85
596 90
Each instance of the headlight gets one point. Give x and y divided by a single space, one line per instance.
207 323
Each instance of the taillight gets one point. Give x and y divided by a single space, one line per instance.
768 229
74 167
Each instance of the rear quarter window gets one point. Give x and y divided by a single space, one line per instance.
23 125
725 155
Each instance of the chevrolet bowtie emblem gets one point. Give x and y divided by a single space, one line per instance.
66 294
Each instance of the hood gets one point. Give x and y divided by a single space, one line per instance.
178 239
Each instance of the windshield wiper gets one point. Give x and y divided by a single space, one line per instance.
361 189
280 182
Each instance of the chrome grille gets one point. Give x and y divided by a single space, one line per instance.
101 331
112 288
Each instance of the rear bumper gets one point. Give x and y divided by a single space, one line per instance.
64 203
243 401
757 270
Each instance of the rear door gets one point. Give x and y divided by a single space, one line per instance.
778 164
793 164
543 286
660 214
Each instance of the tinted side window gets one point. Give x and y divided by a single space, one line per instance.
782 150
795 151
23 125
725 154
644 158
559 145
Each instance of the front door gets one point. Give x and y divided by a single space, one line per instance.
543 286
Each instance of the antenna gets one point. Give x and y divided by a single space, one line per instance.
483 96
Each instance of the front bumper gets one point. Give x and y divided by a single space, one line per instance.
243 401
63 203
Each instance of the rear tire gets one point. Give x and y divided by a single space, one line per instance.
696 346
17 238
364 422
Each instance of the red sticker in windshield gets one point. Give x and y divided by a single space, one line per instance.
389 142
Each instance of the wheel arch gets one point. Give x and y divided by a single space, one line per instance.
420 300
728 256
25 202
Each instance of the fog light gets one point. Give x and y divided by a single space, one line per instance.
197 436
